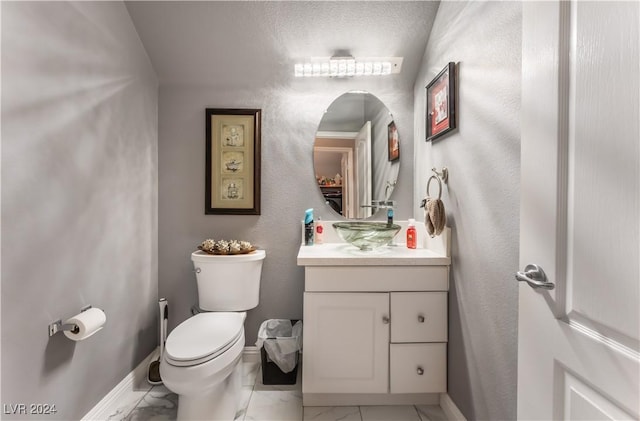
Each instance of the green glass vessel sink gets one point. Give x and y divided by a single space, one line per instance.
366 235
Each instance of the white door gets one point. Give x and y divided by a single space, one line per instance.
578 344
348 182
363 162
345 343
345 166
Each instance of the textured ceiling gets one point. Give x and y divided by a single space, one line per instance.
247 43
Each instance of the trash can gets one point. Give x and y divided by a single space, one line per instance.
280 341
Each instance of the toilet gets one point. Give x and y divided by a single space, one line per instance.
202 355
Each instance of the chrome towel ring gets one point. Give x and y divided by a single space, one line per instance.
440 177
439 186
434 213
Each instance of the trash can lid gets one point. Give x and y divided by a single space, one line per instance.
203 337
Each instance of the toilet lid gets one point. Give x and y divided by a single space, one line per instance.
203 337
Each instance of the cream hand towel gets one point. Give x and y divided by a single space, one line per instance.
435 217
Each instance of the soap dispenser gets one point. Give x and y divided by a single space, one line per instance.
308 227
411 234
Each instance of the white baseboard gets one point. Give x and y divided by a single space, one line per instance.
450 409
135 381
251 354
369 399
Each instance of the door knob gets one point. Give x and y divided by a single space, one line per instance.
535 277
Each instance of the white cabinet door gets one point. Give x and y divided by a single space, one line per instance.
346 343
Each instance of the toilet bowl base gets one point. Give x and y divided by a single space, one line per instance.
218 403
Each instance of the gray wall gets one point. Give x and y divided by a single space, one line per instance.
291 111
79 200
481 198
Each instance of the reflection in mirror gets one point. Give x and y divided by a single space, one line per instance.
356 154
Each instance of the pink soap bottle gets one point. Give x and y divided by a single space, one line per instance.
411 234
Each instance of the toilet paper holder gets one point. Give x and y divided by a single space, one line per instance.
57 326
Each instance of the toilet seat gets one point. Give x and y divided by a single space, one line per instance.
203 337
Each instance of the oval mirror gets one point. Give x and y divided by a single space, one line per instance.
356 154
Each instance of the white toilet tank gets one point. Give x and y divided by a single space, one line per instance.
228 283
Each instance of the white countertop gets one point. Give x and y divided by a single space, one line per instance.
342 254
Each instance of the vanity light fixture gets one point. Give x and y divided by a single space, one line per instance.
348 66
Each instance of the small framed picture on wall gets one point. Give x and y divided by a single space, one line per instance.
441 103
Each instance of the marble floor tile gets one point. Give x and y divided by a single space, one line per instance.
331 413
260 402
244 402
274 405
249 373
121 409
160 404
388 413
431 413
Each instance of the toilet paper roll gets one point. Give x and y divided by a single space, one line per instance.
88 323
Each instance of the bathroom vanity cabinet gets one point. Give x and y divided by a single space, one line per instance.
375 327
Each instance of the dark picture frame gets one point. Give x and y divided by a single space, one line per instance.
393 142
232 185
441 103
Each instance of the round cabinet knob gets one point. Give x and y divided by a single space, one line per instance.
197 270
420 318
420 371
386 320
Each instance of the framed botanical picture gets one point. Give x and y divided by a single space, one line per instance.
232 185
393 142
441 103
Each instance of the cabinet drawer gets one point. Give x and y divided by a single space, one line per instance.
418 368
376 278
418 317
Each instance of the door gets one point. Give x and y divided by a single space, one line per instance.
363 162
346 164
346 343
578 353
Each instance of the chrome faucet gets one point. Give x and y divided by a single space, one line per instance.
389 205
383 204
